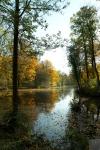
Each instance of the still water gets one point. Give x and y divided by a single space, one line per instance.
52 124
47 111
55 115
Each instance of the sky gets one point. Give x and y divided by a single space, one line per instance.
61 22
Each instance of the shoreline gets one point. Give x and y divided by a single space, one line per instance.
90 93
22 91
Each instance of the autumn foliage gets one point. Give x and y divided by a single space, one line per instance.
30 71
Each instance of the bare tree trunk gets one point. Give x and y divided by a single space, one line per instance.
15 57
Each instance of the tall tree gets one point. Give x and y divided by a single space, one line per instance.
22 18
46 75
84 27
15 56
74 61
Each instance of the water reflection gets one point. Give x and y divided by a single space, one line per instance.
45 101
53 124
59 116
83 123
41 112
5 106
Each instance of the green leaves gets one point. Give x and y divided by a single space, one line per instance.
81 52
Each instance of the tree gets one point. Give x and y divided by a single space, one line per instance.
46 75
54 77
23 17
5 71
27 69
74 61
84 26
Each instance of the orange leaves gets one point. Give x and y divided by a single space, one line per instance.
54 77
30 71
46 75
27 68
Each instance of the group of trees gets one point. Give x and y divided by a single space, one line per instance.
84 47
31 72
46 75
19 21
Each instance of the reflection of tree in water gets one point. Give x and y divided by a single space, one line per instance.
45 100
81 125
34 102
93 107
13 129
18 134
5 106
63 92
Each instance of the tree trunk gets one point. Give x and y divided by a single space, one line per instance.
15 57
94 62
77 75
86 63
78 83
85 52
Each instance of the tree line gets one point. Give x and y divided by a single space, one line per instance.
32 73
84 47
19 21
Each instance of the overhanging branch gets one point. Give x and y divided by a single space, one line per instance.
26 6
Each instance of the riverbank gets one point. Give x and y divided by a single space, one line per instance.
88 92
21 91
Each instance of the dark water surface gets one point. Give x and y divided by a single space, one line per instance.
56 115
52 115
47 111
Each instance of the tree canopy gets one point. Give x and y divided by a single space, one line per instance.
82 51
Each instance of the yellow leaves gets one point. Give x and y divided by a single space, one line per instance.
49 76
98 53
27 67
5 65
98 67
54 77
5 70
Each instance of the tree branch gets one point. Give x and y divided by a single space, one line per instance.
26 6
5 32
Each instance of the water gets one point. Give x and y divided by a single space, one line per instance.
48 114
53 124
47 111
